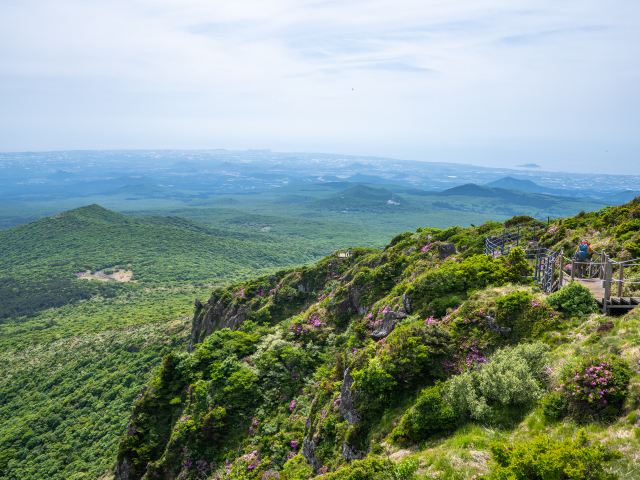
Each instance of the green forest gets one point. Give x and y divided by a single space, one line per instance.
391 363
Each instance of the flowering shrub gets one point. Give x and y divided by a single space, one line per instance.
574 300
543 458
595 386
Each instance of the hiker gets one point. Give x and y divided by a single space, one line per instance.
582 256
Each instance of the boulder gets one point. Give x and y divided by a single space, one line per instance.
388 323
492 325
406 301
350 453
446 250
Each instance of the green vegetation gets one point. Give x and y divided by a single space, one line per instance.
412 363
544 457
573 300
64 404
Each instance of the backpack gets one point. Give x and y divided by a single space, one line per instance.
583 251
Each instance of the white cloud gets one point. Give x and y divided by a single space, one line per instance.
485 81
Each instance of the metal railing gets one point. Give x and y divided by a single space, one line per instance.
550 267
516 236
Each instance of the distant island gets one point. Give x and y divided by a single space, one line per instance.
529 165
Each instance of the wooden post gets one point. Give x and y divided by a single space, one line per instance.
553 274
607 285
573 268
561 283
620 279
607 280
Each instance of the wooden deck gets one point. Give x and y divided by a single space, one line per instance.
593 284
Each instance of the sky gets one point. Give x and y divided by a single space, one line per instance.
487 82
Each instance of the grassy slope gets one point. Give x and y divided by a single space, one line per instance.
318 379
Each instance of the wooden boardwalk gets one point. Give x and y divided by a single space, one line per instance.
593 284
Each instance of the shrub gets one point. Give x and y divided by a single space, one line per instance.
545 458
431 414
409 354
595 386
367 469
526 315
439 306
574 300
517 220
554 406
510 377
627 227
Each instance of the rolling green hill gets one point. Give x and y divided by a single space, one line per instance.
40 261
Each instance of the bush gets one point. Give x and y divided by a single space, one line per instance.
526 315
440 305
595 386
510 377
554 406
367 469
431 414
574 300
517 220
545 458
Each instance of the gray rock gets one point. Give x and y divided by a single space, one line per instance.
350 303
350 453
410 251
309 453
492 325
406 301
215 317
388 323
346 407
446 250
123 470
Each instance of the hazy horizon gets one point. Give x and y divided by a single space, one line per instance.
482 83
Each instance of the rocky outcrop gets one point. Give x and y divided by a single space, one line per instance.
350 453
446 250
492 325
214 316
123 470
389 321
406 302
309 453
350 304
346 408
